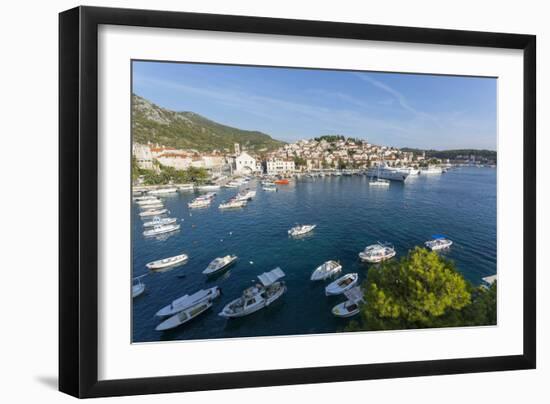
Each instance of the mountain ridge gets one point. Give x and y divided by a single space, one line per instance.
189 130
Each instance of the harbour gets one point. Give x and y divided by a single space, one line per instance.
348 215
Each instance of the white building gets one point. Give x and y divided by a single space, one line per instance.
175 160
143 156
279 166
246 164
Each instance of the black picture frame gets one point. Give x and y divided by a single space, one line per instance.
78 200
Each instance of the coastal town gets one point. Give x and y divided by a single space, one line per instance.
327 153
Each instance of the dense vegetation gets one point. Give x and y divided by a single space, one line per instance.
422 290
187 130
453 154
169 175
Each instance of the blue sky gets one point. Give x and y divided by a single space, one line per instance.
425 111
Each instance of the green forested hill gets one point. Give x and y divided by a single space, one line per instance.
187 130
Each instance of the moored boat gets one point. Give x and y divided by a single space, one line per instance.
438 242
199 203
158 221
350 307
282 181
153 212
379 182
163 191
167 262
152 201
258 296
138 287
270 188
301 229
342 284
187 301
208 187
232 204
219 264
161 229
326 270
184 316
377 252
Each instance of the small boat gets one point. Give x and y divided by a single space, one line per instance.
145 198
156 230
246 195
153 201
258 296
186 187
163 191
208 187
270 188
138 287
187 301
184 316
301 229
377 252
157 205
350 307
232 204
379 183
431 170
157 221
326 270
219 264
341 284
283 181
153 212
438 242
199 203
167 262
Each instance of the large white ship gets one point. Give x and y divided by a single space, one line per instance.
388 173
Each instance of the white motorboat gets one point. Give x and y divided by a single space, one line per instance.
246 195
163 191
158 221
326 270
219 264
345 309
378 182
167 262
199 203
270 188
187 301
377 252
350 307
184 316
153 212
206 197
157 205
258 296
153 201
162 229
341 284
186 187
145 198
431 170
232 204
138 287
388 173
208 187
301 229
438 242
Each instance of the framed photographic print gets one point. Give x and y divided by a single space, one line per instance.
250 201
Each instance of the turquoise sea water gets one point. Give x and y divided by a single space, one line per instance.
349 216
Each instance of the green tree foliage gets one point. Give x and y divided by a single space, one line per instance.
330 138
423 290
299 161
169 175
